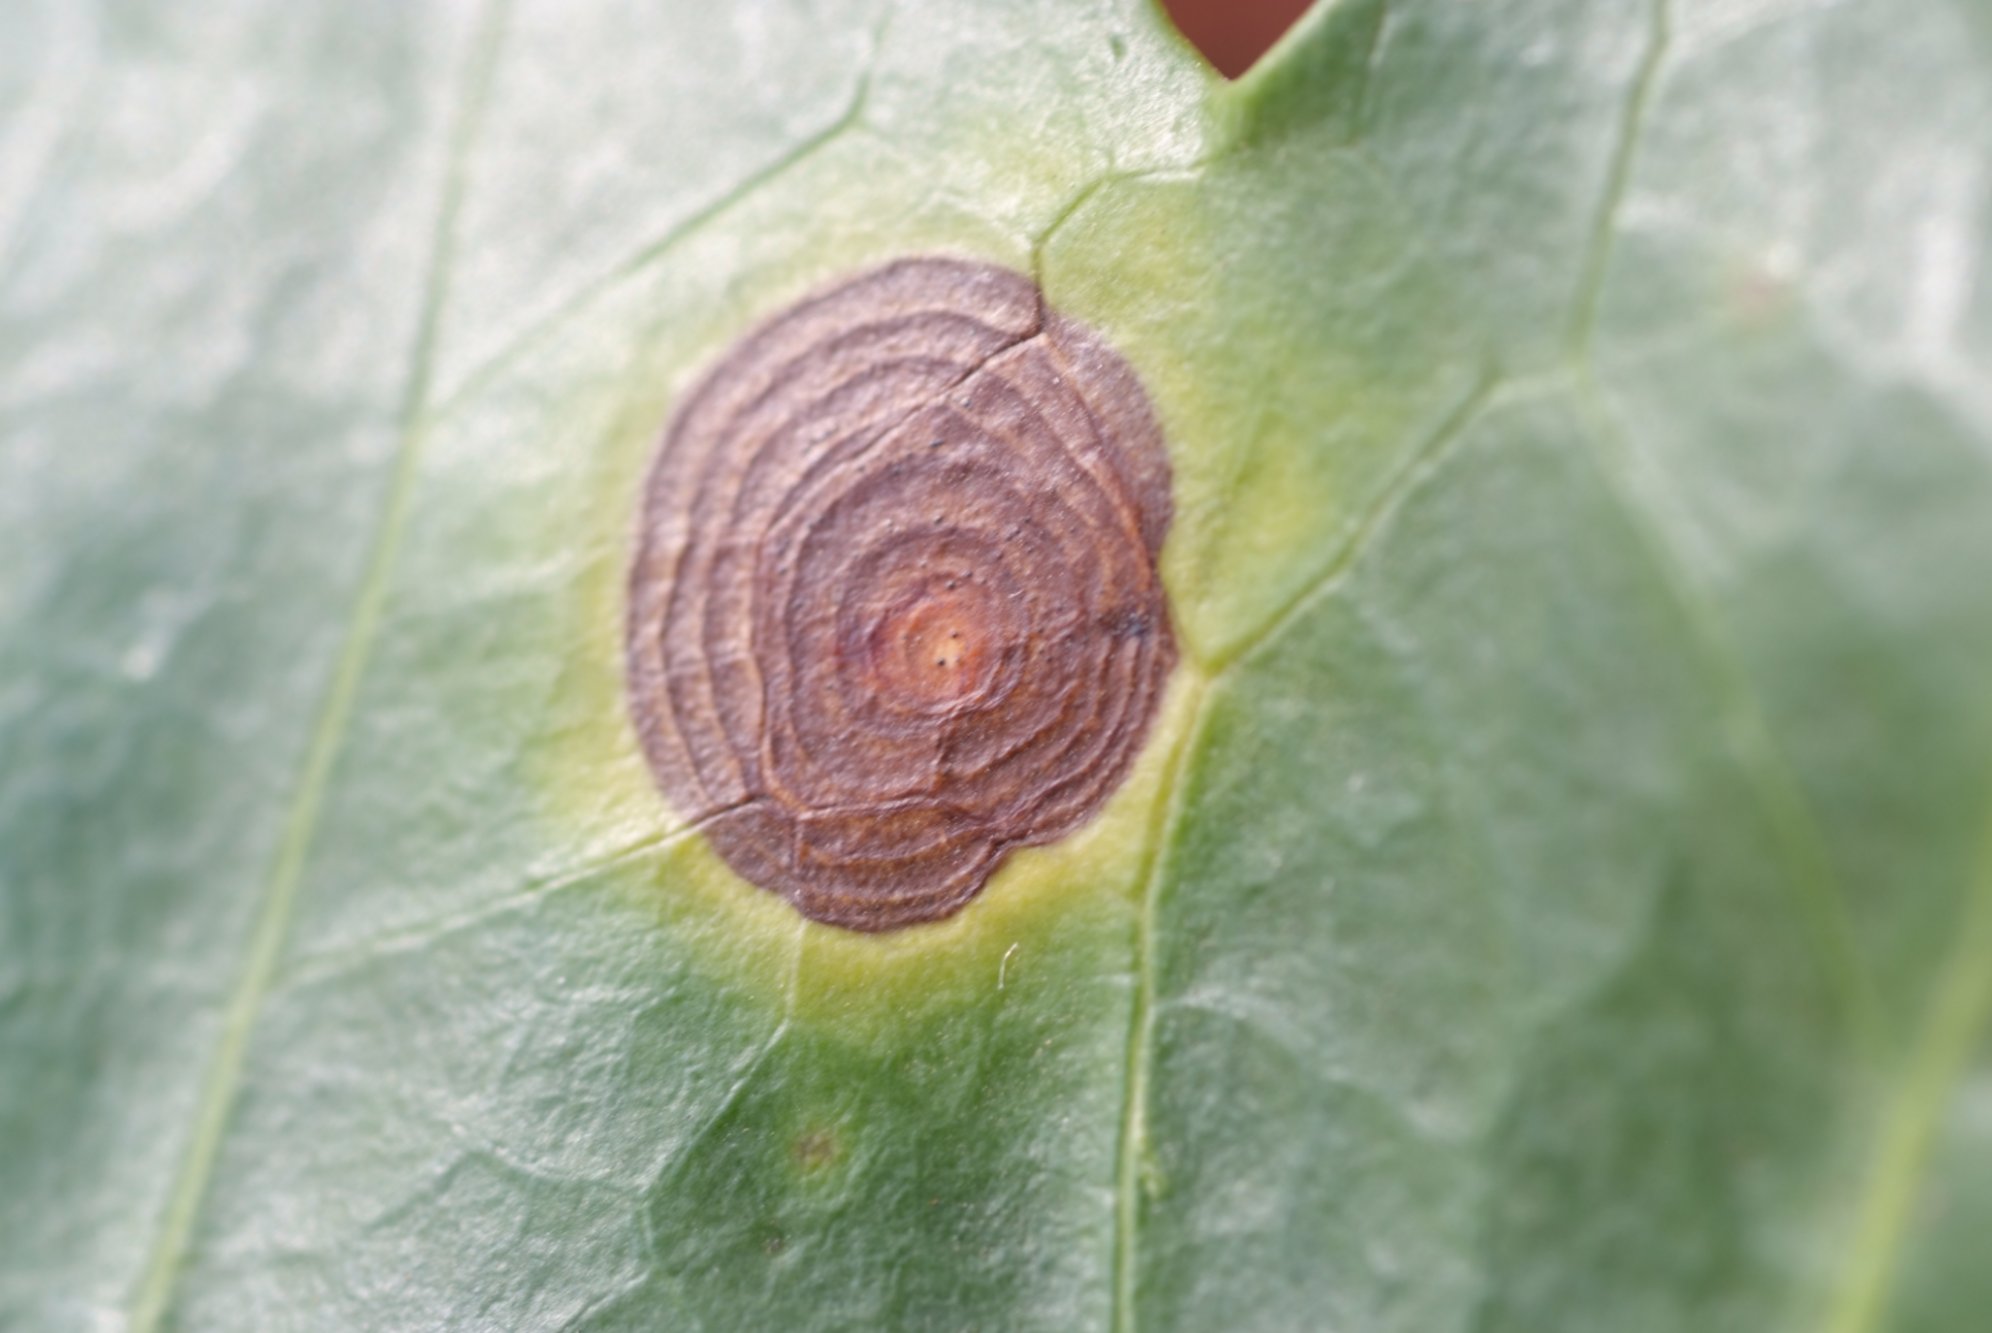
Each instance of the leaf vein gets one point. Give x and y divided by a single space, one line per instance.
219 1091
1618 178
315 968
1794 825
1423 459
1958 1017
1141 1022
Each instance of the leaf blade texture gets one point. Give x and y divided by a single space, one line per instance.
1555 894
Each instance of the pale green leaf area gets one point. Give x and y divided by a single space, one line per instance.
1557 895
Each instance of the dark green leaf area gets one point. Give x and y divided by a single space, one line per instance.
577 1114
1586 1071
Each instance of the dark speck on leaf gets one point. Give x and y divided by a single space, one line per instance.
1126 624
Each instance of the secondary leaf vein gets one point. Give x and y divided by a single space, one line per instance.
1618 177
677 234
1422 460
1793 824
1959 1014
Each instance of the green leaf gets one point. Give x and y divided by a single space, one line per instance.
1556 896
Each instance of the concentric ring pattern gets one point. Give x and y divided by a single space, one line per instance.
894 608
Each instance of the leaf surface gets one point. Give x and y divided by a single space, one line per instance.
1556 895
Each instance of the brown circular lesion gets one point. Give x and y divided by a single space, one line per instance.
894 609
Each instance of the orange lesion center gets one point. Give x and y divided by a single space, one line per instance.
936 647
